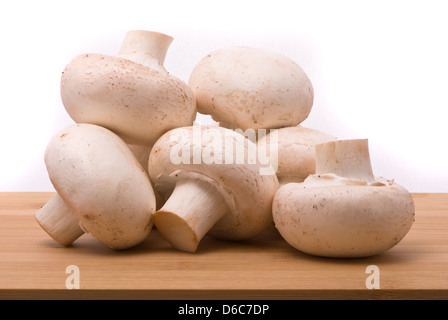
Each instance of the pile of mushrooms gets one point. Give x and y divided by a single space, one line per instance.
122 105
135 160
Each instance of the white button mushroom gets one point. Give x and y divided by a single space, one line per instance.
243 87
130 94
102 184
218 188
292 151
343 210
63 226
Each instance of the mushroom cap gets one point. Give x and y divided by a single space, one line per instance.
244 88
134 101
102 183
292 151
332 216
248 194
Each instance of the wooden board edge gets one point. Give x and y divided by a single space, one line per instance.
389 294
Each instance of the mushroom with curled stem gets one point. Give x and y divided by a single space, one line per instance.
102 184
343 211
215 186
293 151
250 88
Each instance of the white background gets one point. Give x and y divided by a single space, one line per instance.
379 70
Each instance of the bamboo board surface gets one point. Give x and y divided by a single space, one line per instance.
33 266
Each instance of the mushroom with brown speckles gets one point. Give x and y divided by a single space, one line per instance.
101 183
250 88
130 94
343 211
215 186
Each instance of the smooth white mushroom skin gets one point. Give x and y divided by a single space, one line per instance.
247 194
250 88
102 183
343 221
345 215
137 102
58 221
293 152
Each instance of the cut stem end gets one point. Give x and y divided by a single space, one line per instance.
191 211
345 158
58 221
139 42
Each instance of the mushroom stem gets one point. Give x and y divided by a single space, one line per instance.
138 44
191 211
58 221
345 158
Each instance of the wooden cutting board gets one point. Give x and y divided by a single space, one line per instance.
33 266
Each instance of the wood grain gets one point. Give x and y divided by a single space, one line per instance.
33 266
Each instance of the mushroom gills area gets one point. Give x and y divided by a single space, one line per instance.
192 210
